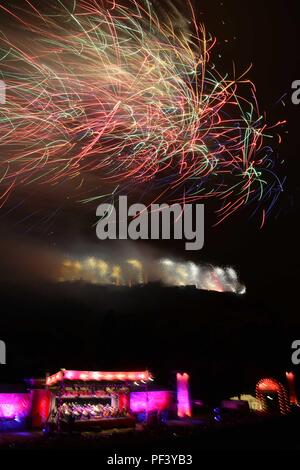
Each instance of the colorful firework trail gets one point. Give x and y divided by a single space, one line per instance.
115 92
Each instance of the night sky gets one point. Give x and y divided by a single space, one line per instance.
35 228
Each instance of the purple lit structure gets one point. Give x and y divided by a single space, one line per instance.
90 396
150 401
183 396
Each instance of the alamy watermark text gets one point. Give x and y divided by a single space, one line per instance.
153 222
2 352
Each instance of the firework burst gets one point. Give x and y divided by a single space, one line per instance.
168 271
131 99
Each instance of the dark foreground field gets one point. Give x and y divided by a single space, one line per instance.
281 433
